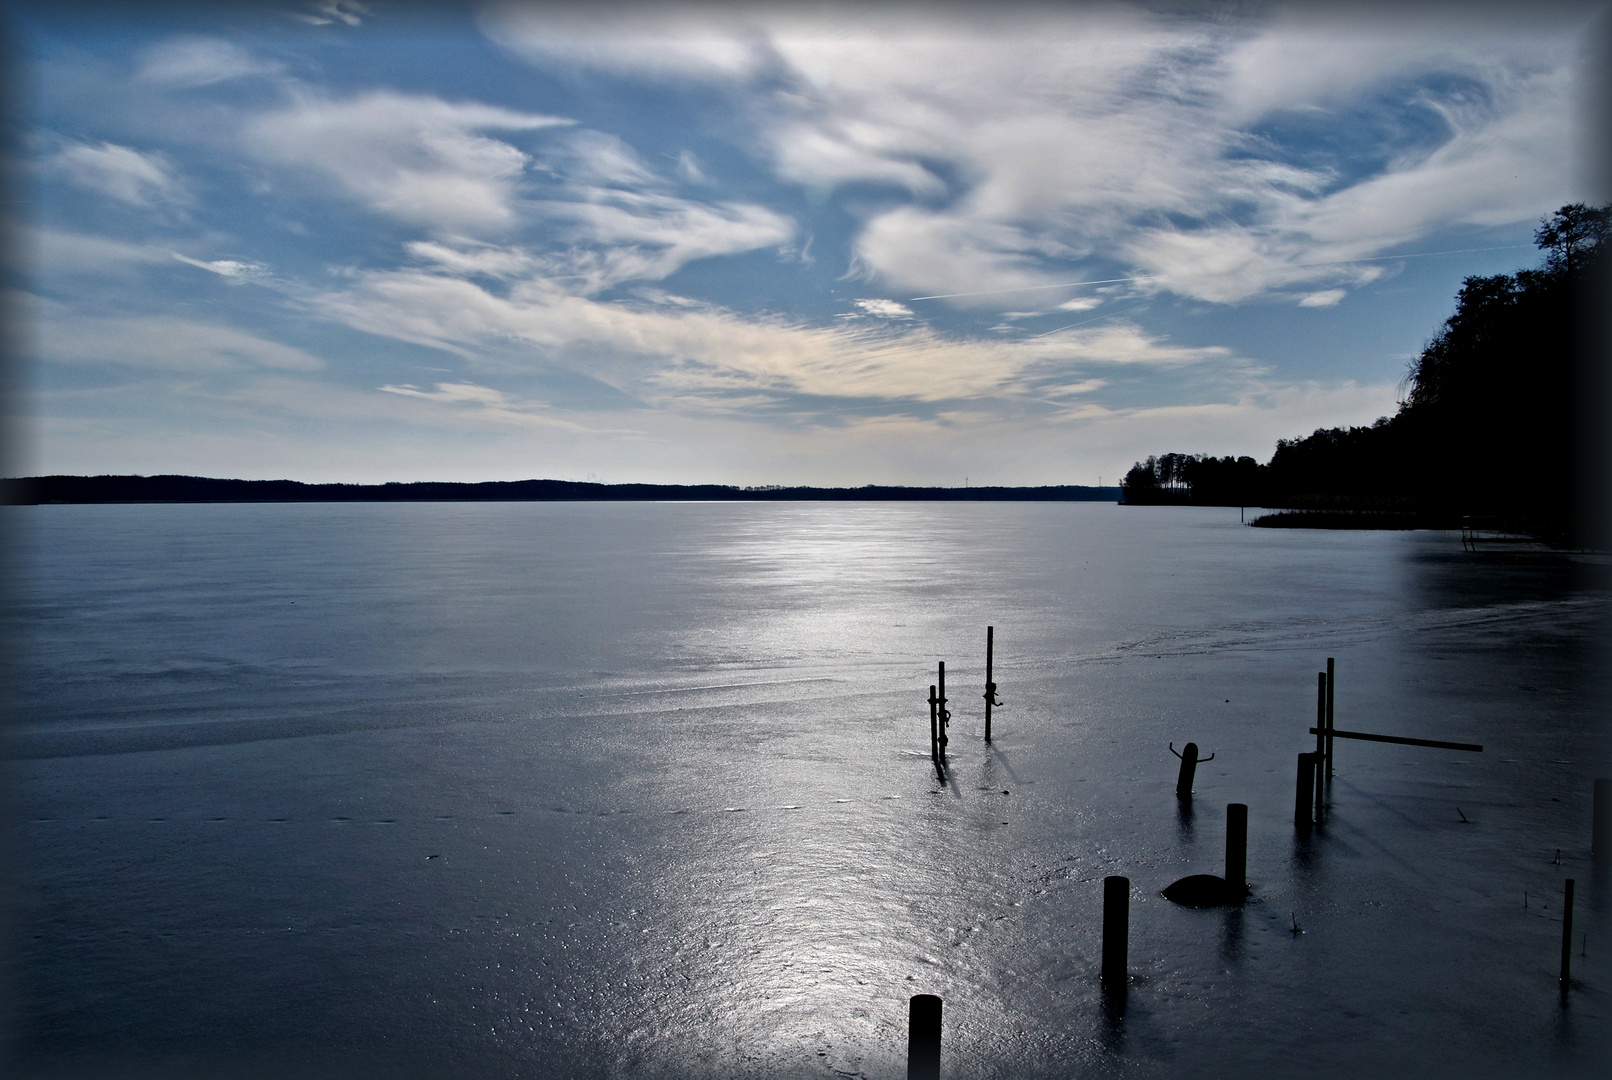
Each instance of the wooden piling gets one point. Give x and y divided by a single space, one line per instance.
1320 712
1320 738
1189 769
1332 686
945 715
1320 788
923 1037
1601 824
1116 932
1567 937
1237 851
1304 794
990 687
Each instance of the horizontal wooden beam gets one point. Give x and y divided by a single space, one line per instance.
1337 733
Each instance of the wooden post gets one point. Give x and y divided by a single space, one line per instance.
1320 736
1116 932
990 687
1400 740
923 1037
1332 686
1237 851
1320 806
934 726
1320 712
945 715
1189 769
1567 936
1304 794
1601 824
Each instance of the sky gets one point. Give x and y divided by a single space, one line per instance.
831 245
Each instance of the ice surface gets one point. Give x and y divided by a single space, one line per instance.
644 789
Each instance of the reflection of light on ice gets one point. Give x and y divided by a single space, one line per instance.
671 801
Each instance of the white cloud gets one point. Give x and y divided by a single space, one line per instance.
1322 56
233 269
885 309
677 42
622 236
121 172
154 343
488 403
821 159
1324 298
1033 138
419 159
689 170
326 12
593 159
708 359
472 259
605 217
198 61
938 252
58 252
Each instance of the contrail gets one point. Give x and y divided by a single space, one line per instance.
1415 255
1143 277
1083 322
1026 288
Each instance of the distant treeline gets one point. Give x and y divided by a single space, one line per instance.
1498 421
199 489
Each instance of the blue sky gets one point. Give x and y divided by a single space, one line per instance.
757 244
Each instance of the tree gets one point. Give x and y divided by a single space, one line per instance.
1142 476
1573 235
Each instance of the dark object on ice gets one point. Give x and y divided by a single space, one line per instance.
1204 890
1116 933
1601 830
923 1037
1207 890
1189 768
1237 850
1567 936
1304 795
945 713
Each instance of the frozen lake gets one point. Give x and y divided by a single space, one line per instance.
532 790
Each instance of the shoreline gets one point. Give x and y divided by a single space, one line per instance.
77 490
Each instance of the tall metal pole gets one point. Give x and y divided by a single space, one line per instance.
934 727
1320 738
990 687
1321 713
1567 938
1332 685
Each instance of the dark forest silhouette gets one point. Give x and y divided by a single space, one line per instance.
201 489
1496 422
